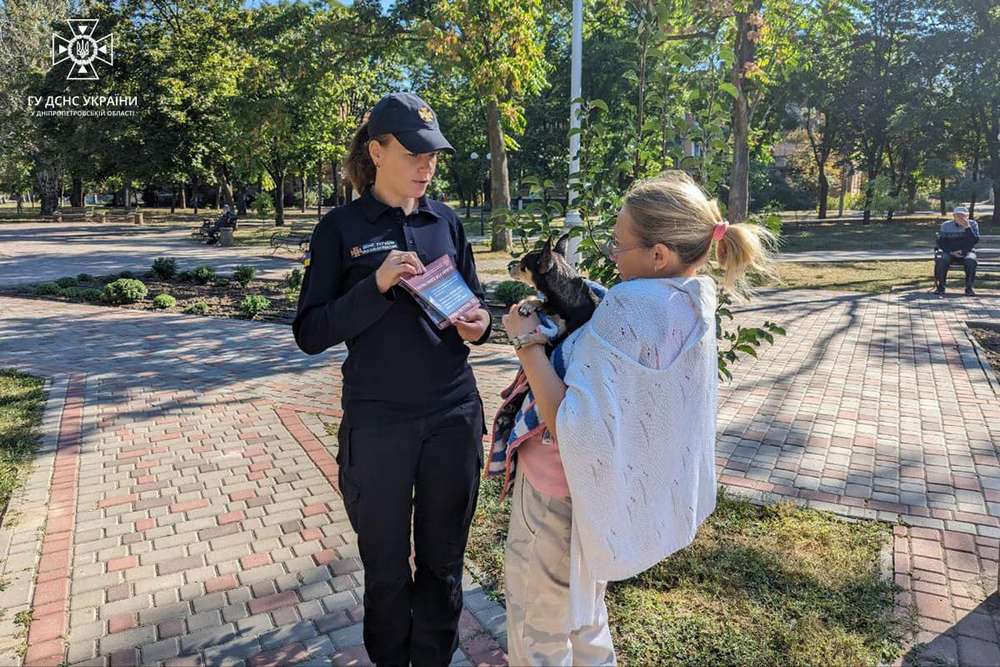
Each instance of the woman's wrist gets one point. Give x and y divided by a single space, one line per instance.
530 339
529 350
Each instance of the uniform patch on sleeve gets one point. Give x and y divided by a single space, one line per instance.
305 259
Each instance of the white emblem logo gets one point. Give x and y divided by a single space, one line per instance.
82 50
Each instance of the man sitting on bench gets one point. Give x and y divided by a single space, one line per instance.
955 242
227 219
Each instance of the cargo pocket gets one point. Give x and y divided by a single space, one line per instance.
350 489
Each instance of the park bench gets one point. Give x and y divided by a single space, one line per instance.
72 213
119 215
296 237
211 228
988 253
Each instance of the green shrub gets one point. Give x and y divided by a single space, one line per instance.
125 290
67 282
203 275
197 308
165 268
185 277
263 205
70 292
254 304
91 294
47 289
293 279
164 301
510 292
244 274
128 275
84 278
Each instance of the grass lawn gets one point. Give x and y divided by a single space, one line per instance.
811 236
776 585
876 276
22 399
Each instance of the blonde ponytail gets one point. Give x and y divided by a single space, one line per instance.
744 248
673 210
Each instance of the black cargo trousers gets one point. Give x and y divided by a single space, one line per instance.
425 471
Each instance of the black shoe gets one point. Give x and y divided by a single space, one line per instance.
939 291
970 292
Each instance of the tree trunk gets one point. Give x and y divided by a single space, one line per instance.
897 182
499 178
911 194
942 183
48 187
241 199
226 189
334 171
302 188
173 200
184 203
279 198
845 177
869 195
319 189
824 190
76 195
873 165
975 183
739 181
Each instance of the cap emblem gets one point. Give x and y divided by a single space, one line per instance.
426 114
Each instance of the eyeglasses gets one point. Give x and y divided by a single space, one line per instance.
612 249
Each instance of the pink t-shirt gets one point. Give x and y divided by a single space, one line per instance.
541 464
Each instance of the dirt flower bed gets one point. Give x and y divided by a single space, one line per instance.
221 297
989 338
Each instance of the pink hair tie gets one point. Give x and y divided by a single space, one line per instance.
720 230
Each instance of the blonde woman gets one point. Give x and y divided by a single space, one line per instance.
628 473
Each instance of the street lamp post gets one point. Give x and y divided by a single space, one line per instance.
573 218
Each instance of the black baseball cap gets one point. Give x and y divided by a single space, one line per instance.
409 119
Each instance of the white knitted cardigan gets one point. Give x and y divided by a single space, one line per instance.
636 430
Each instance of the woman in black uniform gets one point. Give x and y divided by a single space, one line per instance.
411 435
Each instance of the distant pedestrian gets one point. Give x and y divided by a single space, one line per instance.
955 242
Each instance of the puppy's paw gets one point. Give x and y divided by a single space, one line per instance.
528 306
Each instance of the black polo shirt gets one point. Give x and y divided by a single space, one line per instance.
399 364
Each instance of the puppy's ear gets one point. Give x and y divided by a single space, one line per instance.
562 245
545 261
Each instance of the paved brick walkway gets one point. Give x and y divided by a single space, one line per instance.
184 509
878 407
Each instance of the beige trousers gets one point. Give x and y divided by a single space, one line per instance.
536 566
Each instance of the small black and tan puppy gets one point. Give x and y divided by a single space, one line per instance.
567 295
